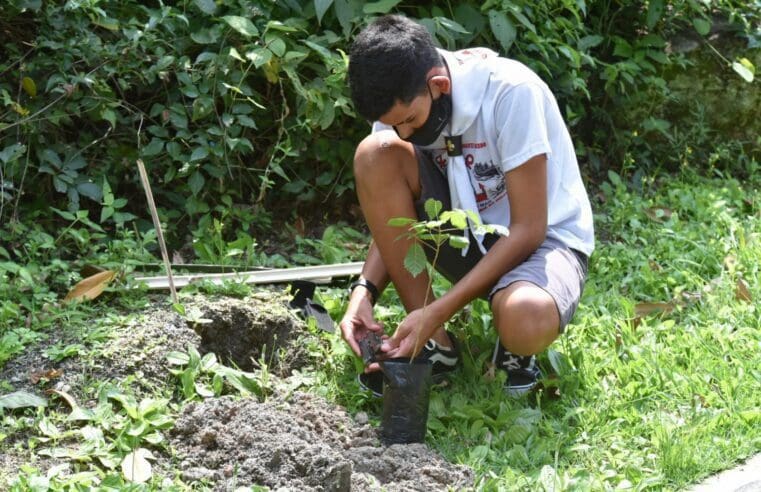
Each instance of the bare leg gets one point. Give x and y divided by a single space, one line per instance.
387 182
526 318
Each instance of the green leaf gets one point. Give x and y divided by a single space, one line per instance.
345 12
415 259
400 221
433 208
90 190
654 13
380 7
205 36
202 107
744 69
155 146
452 25
242 25
320 7
29 4
206 6
49 155
702 26
208 362
12 152
109 115
199 153
459 242
503 29
559 362
276 46
196 182
524 20
653 41
457 218
259 56
106 213
588 42
22 399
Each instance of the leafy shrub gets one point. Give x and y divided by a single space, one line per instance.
235 105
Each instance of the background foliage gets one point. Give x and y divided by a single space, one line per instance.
239 107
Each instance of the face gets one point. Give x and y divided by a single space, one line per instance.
407 118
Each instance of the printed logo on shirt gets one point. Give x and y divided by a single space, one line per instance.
486 179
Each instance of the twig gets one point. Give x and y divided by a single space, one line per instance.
2 193
155 217
157 225
20 189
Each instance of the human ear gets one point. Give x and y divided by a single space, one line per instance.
440 84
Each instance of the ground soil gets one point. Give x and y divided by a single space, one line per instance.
301 442
292 440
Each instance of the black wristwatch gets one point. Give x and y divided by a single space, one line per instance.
374 294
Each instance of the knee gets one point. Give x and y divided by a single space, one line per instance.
526 320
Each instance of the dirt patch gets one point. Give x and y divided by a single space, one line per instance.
239 331
293 440
261 327
300 442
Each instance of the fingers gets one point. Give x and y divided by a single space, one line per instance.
390 344
347 333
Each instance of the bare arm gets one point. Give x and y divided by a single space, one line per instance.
527 189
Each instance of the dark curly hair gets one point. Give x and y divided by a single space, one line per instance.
388 62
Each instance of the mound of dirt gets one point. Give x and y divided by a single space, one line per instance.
300 442
262 326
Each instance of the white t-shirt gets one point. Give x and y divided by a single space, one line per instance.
518 119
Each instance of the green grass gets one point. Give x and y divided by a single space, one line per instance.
633 401
646 402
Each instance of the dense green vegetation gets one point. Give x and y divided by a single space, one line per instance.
239 106
240 112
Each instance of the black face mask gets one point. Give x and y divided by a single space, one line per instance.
441 111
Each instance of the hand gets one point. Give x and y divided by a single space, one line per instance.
411 334
358 322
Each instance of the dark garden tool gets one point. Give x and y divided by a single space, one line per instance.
303 292
406 392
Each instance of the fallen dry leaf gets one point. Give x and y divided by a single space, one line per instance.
90 287
36 376
644 308
742 293
67 397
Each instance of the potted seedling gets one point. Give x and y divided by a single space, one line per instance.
407 381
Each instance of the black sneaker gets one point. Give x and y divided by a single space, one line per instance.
522 371
445 360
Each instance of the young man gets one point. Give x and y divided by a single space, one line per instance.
477 132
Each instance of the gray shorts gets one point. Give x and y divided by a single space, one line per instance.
554 267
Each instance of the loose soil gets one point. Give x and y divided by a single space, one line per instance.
301 442
292 440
